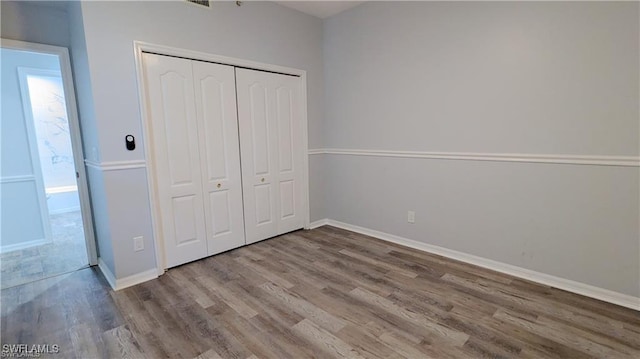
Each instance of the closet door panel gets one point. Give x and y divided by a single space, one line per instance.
290 152
257 145
185 214
176 157
220 207
216 112
285 129
271 151
287 199
259 118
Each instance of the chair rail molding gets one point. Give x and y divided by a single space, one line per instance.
115 165
15 179
593 160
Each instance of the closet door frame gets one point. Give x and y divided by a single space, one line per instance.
139 48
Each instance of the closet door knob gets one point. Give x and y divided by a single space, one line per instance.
219 185
262 180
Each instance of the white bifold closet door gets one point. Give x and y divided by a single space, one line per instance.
195 151
269 116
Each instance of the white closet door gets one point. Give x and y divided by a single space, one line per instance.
220 155
269 116
176 157
289 153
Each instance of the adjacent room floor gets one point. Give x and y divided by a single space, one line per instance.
66 252
322 293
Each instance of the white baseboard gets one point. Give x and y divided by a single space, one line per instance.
64 210
24 245
319 223
126 282
606 295
106 272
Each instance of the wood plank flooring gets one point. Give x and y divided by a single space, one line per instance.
325 293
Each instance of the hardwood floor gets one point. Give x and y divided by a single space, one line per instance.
322 293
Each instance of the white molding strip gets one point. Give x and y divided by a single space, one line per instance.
126 282
621 161
106 272
16 179
319 223
115 165
542 278
61 189
24 245
132 280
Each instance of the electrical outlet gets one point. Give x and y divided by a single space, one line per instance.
411 217
138 244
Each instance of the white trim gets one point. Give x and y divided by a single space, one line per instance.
154 204
126 282
621 161
138 278
74 129
318 223
305 159
93 164
106 272
65 210
542 278
16 179
115 165
61 189
139 47
24 245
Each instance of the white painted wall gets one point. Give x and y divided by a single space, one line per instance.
538 78
21 218
263 32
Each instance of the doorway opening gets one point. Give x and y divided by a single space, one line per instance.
45 225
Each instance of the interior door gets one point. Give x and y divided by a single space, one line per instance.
176 157
215 96
269 116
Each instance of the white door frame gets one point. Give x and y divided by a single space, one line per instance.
139 48
74 130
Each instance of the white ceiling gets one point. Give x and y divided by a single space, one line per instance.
321 9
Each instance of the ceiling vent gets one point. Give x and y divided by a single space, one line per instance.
205 3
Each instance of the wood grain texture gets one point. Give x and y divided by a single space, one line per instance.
325 293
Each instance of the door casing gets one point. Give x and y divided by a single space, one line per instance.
142 47
74 128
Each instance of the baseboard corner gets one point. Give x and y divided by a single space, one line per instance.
319 223
137 278
126 282
106 272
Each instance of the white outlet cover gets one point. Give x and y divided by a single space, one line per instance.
138 244
411 217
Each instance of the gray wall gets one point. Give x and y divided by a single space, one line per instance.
35 21
263 32
515 77
536 78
